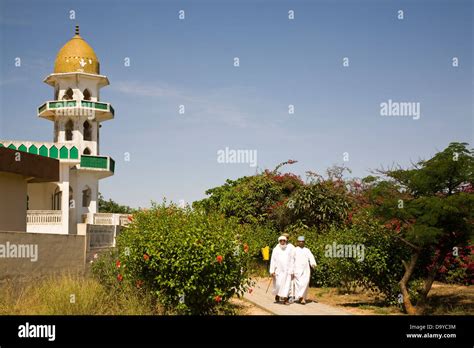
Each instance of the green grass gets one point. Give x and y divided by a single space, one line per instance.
72 295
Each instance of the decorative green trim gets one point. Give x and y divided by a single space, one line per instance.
94 162
64 153
74 154
42 108
62 104
53 152
33 149
43 151
22 148
11 146
112 165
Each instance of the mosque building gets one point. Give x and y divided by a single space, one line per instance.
77 113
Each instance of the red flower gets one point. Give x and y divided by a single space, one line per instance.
246 248
218 299
130 218
250 290
219 258
119 277
291 161
146 257
117 263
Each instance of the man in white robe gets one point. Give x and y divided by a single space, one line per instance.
280 269
303 261
290 247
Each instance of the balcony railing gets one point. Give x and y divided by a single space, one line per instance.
102 111
106 219
97 162
44 217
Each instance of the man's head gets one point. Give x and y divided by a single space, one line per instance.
301 241
282 240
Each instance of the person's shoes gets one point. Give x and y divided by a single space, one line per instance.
303 301
277 298
299 300
285 300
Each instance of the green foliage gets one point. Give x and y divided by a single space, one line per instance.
248 198
112 207
320 204
378 269
192 262
444 173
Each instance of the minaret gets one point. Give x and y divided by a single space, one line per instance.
77 113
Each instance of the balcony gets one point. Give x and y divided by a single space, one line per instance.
44 221
103 165
98 110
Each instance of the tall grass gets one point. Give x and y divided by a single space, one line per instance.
72 295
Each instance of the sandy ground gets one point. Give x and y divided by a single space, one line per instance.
443 299
245 307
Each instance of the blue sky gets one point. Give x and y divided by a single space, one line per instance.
190 62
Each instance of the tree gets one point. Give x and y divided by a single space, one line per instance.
251 199
431 207
112 207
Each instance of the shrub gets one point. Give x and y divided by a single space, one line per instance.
379 269
192 262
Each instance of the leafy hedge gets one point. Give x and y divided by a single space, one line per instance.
192 262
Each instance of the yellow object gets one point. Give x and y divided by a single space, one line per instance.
76 56
266 253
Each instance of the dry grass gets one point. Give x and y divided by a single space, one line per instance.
443 299
70 295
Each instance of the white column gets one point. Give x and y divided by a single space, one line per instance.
64 185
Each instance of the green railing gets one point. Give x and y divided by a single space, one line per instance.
62 104
73 103
98 162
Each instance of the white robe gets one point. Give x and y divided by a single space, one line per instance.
302 260
281 265
291 249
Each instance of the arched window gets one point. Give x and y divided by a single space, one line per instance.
68 95
69 128
86 197
87 151
57 199
87 94
87 131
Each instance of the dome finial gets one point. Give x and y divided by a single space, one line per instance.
77 30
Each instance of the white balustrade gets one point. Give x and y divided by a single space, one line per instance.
44 217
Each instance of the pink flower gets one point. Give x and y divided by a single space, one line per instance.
117 264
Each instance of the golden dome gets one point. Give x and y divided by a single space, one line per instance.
76 56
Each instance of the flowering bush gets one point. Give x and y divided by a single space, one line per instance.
191 262
458 269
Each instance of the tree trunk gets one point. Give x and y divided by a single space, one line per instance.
428 282
409 268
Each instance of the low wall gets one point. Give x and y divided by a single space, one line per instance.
30 255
